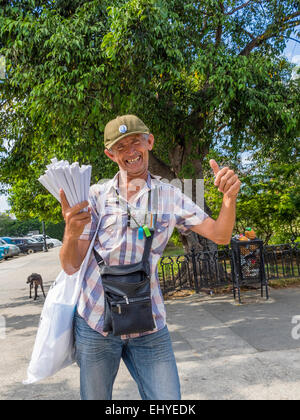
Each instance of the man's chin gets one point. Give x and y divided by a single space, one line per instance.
136 172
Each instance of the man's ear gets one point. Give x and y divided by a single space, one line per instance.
150 141
110 155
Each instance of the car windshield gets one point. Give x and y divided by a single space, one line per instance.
39 239
2 242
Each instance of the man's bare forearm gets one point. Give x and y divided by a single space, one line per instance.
226 219
69 255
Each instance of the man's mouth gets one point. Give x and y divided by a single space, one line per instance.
132 161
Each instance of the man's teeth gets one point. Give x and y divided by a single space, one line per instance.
133 160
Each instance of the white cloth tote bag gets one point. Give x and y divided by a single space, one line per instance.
54 344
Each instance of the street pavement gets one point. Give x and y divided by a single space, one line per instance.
223 350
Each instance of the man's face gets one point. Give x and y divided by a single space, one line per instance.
131 153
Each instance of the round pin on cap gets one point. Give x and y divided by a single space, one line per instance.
123 128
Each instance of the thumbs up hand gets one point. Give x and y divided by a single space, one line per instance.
225 178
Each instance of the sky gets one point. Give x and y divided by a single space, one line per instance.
292 52
3 204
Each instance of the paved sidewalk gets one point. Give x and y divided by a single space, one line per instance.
223 350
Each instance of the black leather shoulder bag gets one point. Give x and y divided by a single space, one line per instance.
127 295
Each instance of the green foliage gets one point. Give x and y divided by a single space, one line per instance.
55 230
175 239
269 199
11 227
195 72
270 202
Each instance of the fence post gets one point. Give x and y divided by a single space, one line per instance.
195 269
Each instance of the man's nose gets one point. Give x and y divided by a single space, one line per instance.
130 148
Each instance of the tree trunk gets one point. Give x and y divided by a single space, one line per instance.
208 270
179 157
157 167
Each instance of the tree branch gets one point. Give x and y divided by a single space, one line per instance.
268 34
293 39
291 16
238 8
220 128
220 27
248 33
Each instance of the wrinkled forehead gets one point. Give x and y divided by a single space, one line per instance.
129 139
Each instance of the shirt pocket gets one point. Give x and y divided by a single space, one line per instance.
162 223
110 231
163 231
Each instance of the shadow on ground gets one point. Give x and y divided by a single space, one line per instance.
59 390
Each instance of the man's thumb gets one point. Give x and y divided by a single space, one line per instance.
214 166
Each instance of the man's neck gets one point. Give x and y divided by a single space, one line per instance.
129 186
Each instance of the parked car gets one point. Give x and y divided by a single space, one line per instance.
3 251
20 243
7 239
40 239
16 241
54 242
13 250
11 240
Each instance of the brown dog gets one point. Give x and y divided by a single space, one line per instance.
35 280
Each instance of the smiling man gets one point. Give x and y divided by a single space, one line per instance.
126 208
129 150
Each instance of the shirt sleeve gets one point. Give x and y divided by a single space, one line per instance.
94 202
187 213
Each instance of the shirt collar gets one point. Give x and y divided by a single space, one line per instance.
151 182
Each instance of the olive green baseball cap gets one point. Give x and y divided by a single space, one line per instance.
121 127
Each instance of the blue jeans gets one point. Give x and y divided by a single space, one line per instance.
149 359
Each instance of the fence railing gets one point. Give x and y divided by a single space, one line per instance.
209 270
282 261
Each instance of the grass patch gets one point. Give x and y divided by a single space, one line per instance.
172 251
179 294
283 283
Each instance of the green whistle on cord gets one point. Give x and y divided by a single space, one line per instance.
147 231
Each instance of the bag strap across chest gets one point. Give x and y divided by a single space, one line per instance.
149 239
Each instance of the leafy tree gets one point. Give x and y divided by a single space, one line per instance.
270 198
11 227
270 201
55 230
197 73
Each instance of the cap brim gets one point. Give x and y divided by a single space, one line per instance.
125 135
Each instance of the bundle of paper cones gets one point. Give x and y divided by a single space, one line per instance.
73 179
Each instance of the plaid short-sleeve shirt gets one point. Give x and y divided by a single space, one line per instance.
117 240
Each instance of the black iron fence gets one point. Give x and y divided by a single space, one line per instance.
205 271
